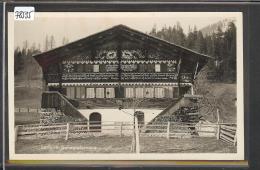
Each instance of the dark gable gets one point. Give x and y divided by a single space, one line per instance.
101 46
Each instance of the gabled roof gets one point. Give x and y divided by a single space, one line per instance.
55 55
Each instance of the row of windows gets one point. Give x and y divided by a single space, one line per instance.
139 92
103 68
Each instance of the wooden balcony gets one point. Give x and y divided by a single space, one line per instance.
114 77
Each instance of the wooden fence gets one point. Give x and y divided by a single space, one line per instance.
224 132
27 110
227 133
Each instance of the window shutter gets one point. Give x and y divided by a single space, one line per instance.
149 92
82 92
70 92
129 92
139 92
78 92
90 93
159 93
110 93
157 68
96 68
100 93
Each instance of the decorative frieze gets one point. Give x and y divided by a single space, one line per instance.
91 62
132 54
111 68
68 68
121 83
90 76
106 55
171 67
129 67
148 76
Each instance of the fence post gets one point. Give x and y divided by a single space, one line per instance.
121 129
218 131
137 143
88 125
235 139
28 109
168 130
67 131
218 125
16 133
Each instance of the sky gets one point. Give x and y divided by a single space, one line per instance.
75 26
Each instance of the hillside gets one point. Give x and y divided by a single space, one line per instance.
216 95
224 96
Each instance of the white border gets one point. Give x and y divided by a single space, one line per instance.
131 156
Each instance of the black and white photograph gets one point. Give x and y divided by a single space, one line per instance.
126 86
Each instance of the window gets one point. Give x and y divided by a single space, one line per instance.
175 92
96 69
100 93
159 93
139 92
78 92
169 92
150 68
70 92
90 93
129 92
141 68
157 68
82 92
110 93
88 68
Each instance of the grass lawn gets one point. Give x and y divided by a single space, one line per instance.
109 144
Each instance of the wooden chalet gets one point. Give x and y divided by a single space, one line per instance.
117 65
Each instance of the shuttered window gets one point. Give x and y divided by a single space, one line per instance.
175 92
78 95
139 92
88 68
70 91
150 68
159 92
129 92
149 92
100 93
157 68
96 68
82 92
90 93
110 93
169 92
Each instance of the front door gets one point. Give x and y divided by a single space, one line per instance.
95 122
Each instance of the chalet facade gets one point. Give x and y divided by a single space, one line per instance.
120 64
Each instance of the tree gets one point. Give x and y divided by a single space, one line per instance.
46 48
65 41
52 42
229 71
18 61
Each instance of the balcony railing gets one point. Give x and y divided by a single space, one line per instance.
112 77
